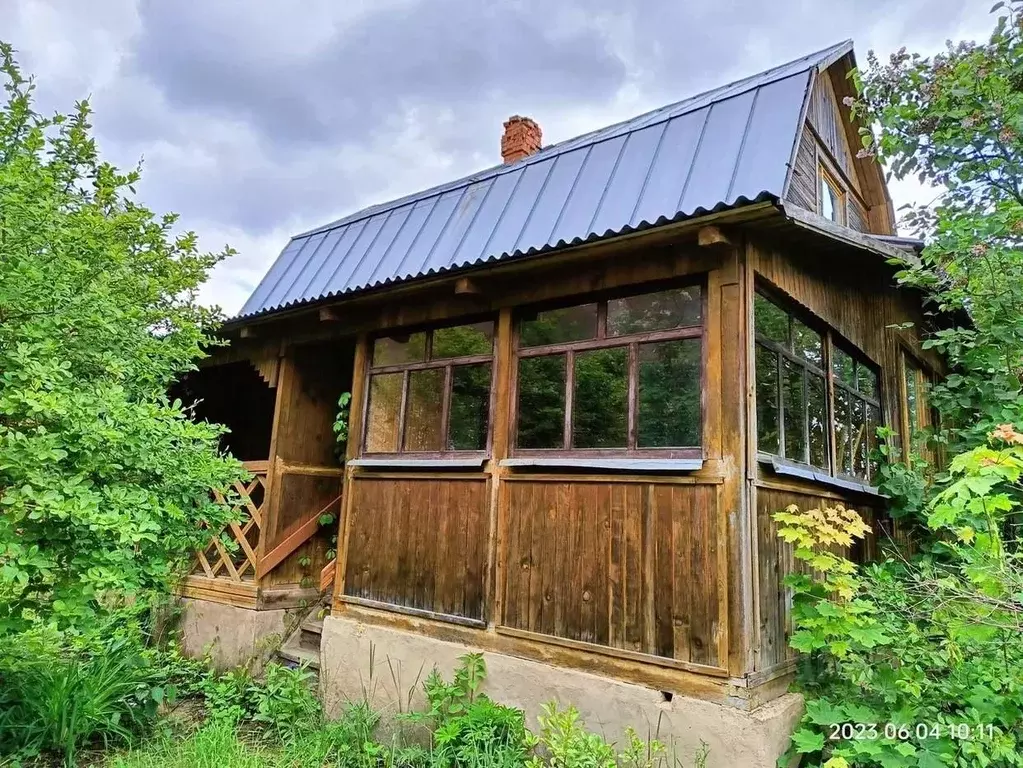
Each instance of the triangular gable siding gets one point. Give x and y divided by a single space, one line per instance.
824 141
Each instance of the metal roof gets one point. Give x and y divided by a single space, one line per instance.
719 149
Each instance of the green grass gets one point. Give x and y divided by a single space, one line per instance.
215 746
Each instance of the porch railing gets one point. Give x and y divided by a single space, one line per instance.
237 563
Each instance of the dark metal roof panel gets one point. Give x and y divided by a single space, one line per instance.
719 149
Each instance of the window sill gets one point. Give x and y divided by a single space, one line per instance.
806 472
627 464
468 462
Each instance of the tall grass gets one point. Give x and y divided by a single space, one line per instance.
58 695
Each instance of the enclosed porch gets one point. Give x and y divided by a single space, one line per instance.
279 409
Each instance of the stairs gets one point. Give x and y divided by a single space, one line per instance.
303 645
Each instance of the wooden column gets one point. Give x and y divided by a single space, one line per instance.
501 399
735 339
356 412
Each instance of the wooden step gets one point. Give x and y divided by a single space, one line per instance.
299 656
310 635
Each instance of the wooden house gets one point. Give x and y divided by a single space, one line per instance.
582 381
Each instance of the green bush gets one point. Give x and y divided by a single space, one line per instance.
916 662
58 697
468 729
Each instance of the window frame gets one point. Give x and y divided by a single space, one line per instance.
601 341
830 341
825 176
446 364
924 379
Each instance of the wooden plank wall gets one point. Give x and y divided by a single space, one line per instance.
804 182
419 543
775 562
825 139
823 114
627 565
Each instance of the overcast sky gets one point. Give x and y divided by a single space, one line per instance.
259 119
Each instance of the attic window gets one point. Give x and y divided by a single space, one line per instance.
832 200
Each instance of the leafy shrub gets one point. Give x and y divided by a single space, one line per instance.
916 662
55 697
468 728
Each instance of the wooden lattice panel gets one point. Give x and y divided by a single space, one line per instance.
237 561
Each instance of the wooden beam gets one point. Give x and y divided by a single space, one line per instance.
465 285
248 332
713 237
328 315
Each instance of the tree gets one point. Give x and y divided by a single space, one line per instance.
918 660
103 481
955 121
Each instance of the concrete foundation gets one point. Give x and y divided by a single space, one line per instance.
386 667
233 637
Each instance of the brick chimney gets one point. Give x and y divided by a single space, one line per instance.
521 138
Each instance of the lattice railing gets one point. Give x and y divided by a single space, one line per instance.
237 559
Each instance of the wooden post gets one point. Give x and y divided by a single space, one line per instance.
352 450
285 376
736 555
501 399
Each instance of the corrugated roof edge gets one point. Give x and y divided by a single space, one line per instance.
821 59
740 202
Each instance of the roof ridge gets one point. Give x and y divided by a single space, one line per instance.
825 55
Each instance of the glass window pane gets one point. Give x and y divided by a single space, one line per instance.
470 407
600 405
659 311
807 344
873 422
831 201
771 321
860 441
794 403
541 404
843 431
817 411
767 400
555 326
463 341
669 394
382 418
912 400
423 412
395 350
866 380
843 366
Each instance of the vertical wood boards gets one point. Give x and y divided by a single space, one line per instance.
804 184
826 119
419 543
632 566
776 562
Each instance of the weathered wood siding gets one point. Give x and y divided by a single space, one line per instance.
824 115
775 562
419 543
804 183
627 565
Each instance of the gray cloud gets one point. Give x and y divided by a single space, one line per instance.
259 118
